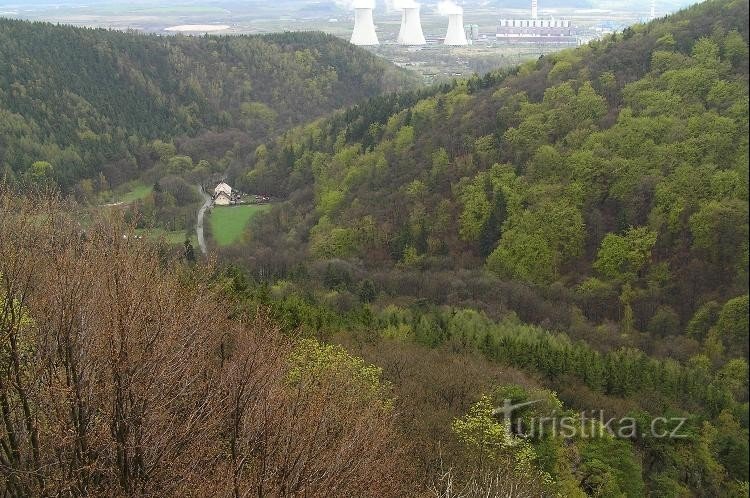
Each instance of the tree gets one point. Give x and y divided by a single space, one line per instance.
41 173
499 464
703 320
367 291
622 257
664 323
538 241
732 326
179 164
720 232
132 384
476 209
189 251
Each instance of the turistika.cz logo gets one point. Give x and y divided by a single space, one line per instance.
586 424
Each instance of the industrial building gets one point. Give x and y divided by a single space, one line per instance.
456 35
536 30
364 25
411 27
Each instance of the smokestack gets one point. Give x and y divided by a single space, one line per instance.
364 27
534 9
411 27
652 14
456 34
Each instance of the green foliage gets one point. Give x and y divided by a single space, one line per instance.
476 209
622 257
610 468
483 435
732 326
312 360
535 244
611 181
95 99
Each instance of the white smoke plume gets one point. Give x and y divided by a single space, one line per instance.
447 8
401 4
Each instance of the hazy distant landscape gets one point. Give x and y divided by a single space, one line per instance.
256 16
435 62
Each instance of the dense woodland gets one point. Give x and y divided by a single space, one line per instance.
571 232
600 193
87 109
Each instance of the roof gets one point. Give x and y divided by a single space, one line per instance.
223 187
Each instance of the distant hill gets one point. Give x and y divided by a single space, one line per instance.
82 99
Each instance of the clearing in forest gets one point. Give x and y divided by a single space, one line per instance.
228 222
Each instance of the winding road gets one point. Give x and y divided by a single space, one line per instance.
201 212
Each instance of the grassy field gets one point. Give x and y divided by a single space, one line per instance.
228 222
138 191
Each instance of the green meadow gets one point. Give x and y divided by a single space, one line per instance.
228 223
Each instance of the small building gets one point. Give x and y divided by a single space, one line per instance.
223 187
222 199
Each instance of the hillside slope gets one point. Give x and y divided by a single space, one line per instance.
83 99
618 171
599 195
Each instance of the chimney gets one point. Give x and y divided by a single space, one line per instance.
411 28
456 34
364 28
534 9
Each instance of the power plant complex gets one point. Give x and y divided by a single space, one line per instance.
410 33
532 29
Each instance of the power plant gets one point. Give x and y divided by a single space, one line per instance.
536 30
364 25
532 29
411 26
456 34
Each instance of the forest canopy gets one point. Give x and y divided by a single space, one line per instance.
89 102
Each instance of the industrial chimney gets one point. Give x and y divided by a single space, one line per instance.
456 34
364 26
411 27
534 9
652 13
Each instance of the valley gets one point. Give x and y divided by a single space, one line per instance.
284 265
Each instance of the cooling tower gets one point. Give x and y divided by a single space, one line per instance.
456 34
411 28
534 9
364 28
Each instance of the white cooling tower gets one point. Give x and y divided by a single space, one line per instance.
456 34
364 28
411 28
534 9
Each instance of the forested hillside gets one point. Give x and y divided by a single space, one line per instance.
615 174
452 273
131 385
583 218
75 102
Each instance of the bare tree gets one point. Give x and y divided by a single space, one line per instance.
123 374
